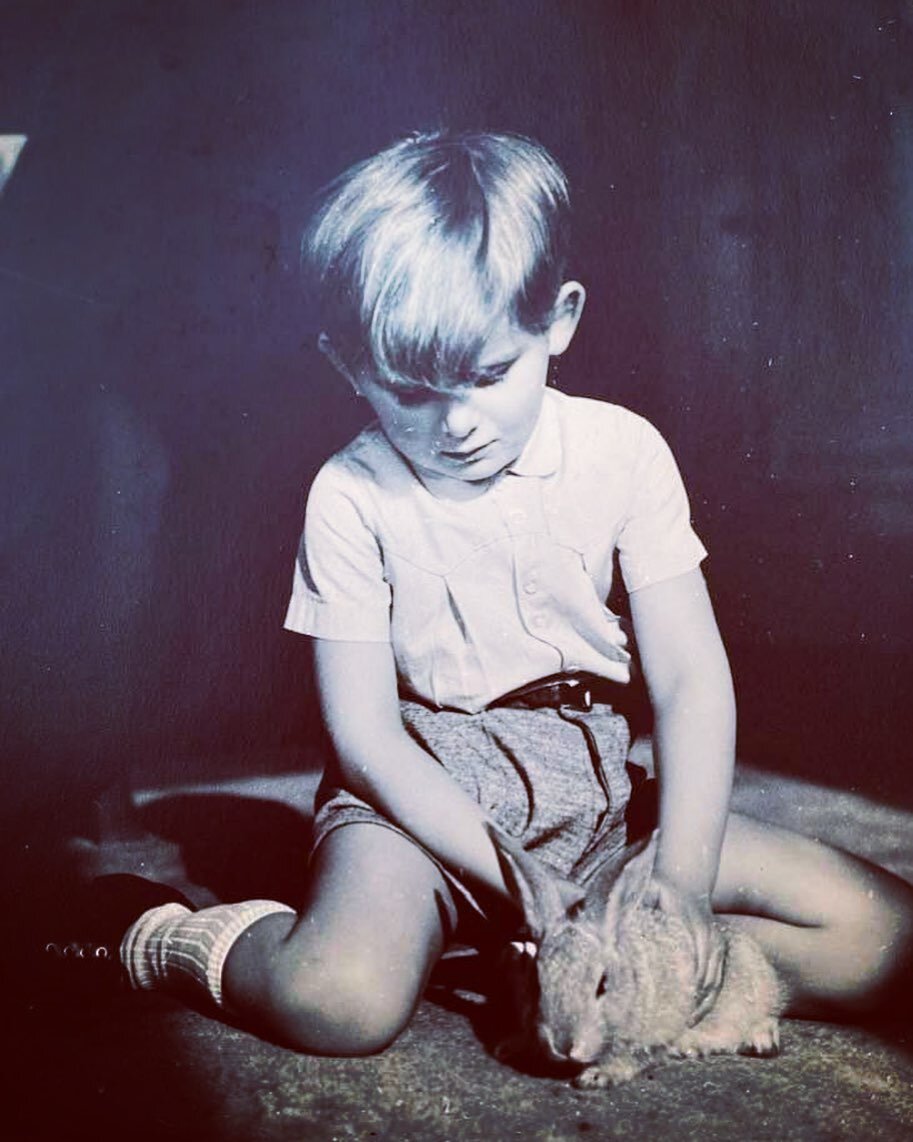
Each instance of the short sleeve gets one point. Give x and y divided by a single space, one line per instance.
338 589
656 540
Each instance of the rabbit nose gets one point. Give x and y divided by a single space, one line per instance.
578 1053
565 1049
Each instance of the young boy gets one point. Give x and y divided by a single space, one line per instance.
453 572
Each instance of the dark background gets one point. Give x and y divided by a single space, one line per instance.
743 178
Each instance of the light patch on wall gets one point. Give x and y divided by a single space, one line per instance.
10 150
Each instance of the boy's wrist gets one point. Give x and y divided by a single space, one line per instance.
694 880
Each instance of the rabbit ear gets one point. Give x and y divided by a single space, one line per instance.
530 885
621 877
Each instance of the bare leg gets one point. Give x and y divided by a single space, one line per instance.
838 929
344 978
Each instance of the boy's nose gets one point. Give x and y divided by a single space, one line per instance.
460 417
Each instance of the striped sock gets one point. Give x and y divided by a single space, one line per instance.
170 944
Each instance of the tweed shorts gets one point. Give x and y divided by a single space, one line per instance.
554 779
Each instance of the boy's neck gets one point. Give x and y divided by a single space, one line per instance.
446 488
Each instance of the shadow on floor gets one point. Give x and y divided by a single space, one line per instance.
240 848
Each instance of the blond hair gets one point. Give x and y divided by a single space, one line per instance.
419 251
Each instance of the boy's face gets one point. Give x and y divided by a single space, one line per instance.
473 431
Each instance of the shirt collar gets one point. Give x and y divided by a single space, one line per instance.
541 455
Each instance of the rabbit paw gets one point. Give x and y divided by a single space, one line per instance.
712 1038
701 1041
763 1040
618 1069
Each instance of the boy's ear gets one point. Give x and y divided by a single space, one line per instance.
566 314
325 345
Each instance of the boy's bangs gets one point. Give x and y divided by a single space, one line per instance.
434 320
432 307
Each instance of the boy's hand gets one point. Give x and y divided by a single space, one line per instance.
709 946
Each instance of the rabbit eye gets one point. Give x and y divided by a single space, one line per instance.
602 985
575 910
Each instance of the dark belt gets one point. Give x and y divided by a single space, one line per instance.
579 691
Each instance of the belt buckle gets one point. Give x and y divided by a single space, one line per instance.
584 700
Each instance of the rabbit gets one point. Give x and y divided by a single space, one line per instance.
608 983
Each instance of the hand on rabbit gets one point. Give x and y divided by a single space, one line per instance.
630 970
695 914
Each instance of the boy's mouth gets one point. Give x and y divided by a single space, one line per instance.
464 455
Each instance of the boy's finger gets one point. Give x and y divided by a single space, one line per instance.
710 980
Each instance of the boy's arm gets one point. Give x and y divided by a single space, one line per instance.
383 765
690 686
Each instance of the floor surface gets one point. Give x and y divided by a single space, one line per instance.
139 1067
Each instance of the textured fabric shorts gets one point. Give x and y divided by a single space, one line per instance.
555 779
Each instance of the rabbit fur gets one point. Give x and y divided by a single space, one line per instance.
609 983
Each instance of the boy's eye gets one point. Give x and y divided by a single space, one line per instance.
411 397
491 377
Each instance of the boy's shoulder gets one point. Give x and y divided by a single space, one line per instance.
370 446
367 460
583 409
592 419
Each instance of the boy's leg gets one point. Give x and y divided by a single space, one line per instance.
838 929
345 977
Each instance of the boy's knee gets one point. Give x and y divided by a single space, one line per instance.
892 945
346 1007
876 947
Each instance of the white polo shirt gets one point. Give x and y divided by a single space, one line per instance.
481 596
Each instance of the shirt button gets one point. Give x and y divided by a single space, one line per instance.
530 586
540 620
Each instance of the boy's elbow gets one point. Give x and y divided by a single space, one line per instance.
711 691
361 754
350 769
